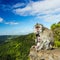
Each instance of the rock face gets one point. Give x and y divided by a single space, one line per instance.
44 54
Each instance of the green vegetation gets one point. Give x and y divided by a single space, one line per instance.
4 38
17 48
56 30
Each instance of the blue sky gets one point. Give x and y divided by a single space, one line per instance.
19 16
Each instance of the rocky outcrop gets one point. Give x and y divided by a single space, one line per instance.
44 54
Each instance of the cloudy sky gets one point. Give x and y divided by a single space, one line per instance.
20 16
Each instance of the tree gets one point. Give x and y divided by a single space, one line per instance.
56 30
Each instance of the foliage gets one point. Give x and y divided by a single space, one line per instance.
56 30
17 48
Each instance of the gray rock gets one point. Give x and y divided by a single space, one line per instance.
44 54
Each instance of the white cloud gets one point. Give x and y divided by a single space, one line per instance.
12 23
48 8
50 18
18 5
38 7
1 19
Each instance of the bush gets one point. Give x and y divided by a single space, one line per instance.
56 31
57 43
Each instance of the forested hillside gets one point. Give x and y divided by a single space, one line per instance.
4 38
17 48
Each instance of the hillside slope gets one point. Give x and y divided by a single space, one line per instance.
17 48
4 38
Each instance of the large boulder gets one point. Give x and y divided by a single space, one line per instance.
44 54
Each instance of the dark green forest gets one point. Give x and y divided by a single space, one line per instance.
4 38
18 48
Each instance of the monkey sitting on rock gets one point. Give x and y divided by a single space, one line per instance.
44 37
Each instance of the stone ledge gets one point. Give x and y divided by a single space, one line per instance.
44 54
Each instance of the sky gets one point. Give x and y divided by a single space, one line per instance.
19 16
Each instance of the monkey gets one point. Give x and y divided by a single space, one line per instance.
47 38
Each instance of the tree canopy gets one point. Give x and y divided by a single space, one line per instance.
56 30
